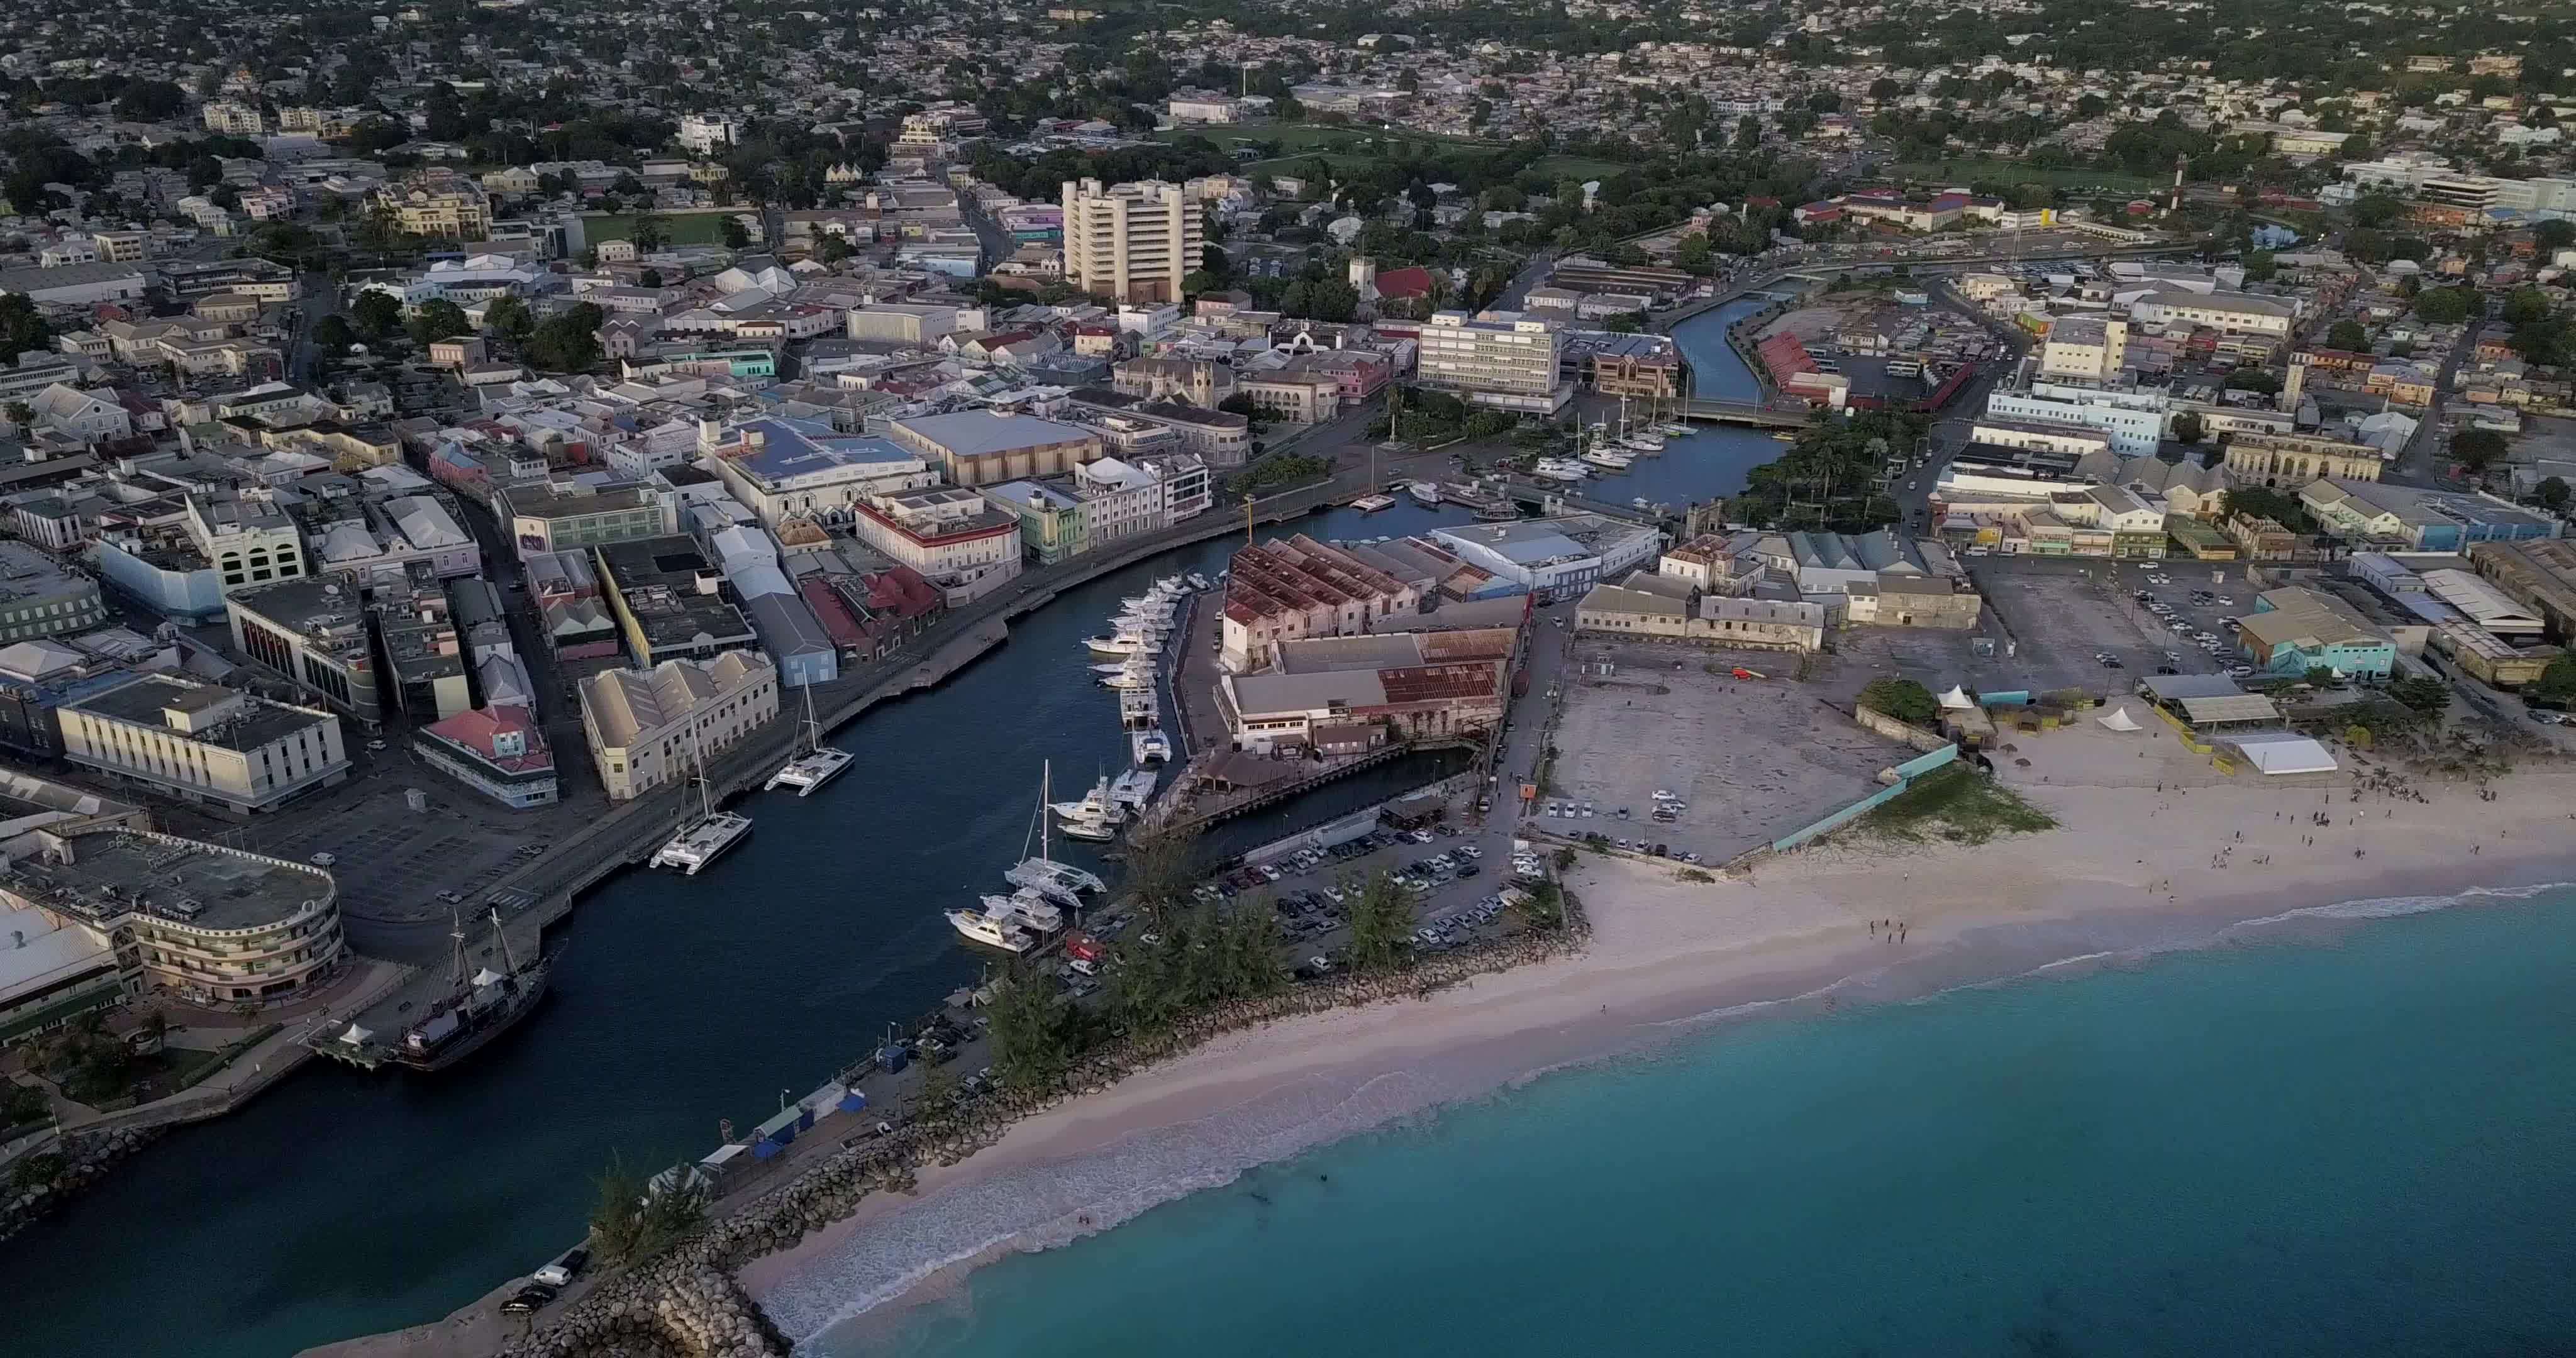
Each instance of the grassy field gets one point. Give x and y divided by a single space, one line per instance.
1958 804
2013 172
696 228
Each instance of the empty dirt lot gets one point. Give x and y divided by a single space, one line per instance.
1753 758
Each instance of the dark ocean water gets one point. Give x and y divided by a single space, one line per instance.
2365 1146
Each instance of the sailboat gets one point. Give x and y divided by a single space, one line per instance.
819 764
1043 873
476 1008
704 840
1639 438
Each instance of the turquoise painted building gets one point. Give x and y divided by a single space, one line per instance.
2295 630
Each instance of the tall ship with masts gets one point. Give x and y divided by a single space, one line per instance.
476 1008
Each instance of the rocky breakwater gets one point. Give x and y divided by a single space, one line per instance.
685 1303
46 1178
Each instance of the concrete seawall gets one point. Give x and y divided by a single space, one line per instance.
686 1301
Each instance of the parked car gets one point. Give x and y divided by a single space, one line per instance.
527 1300
565 1269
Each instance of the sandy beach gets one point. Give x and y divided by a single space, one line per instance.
2133 868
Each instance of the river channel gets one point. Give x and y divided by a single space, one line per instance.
340 1203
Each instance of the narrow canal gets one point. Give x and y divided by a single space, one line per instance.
340 1204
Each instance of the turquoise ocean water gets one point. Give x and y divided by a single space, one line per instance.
2351 1139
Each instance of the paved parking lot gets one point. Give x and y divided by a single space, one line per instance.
1455 899
2063 615
2178 619
1751 759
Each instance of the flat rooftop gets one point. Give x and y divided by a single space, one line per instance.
110 869
143 702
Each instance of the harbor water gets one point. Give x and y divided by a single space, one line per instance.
340 1204
2317 1139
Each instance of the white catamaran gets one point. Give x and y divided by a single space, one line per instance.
819 764
1062 881
705 839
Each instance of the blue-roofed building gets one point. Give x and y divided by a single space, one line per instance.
2423 520
786 469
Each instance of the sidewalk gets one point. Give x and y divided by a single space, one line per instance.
251 1071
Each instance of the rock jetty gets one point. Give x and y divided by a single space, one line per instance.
39 1182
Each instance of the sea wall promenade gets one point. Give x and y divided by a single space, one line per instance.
686 1303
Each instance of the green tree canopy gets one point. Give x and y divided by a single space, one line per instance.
2446 306
568 341
1382 925
438 319
2477 449
509 317
1904 699
2349 336
377 313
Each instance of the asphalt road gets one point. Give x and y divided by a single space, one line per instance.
316 297
2422 462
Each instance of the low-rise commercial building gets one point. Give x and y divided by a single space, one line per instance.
951 537
786 469
40 597
314 634
2294 630
2539 575
668 601
203 743
1051 519
1361 691
1555 558
202 923
546 517
981 448
438 202
2294 460
499 751
1297 588
2420 520
653 726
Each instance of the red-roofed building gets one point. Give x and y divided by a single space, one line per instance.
498 751
1408 283
1818 214
879 611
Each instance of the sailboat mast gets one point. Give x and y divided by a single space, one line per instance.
706 794
508 962
1046 788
